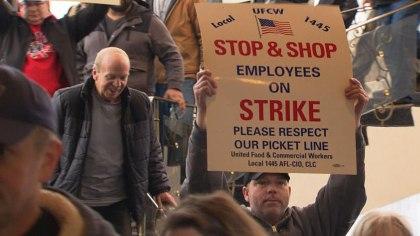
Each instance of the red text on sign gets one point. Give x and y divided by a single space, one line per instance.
318 50
237 47
280 110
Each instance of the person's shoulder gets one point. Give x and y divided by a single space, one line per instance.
69 92
301 215
94 224
138 96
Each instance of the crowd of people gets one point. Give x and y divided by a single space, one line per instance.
79 152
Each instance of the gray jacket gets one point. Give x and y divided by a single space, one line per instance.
142 36
336 207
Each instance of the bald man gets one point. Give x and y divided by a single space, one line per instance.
111 156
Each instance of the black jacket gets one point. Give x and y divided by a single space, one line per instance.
16 35
336 207
143 163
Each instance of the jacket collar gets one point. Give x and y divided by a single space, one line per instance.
170 8
281 224
135 12
131 18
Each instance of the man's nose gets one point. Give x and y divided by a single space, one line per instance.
117 83
271 188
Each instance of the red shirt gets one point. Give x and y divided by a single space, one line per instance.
42 64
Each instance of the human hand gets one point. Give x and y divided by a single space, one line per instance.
356 92
177 96
205 86
368 3
165 198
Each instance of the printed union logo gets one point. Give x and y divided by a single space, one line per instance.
267 26
336 165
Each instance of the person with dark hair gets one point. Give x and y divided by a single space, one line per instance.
213 214
111 157
337 205
29 152
43 47
133 27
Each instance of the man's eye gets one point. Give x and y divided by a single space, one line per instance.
262 182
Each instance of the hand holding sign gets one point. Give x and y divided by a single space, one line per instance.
206 86
281 76
356 92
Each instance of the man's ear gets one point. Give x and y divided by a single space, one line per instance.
94 72
20 10
245 192
51 155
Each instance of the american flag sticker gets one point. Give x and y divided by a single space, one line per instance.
267 26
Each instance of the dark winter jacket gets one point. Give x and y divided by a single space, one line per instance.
336 207
143 37
143 163
16 35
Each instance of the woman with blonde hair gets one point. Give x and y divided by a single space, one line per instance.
213 214
378 223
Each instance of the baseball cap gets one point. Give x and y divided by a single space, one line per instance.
31 1
23 105
247 177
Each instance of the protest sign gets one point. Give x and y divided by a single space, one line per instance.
280 106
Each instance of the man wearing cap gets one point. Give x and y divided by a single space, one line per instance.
336 207
111 157
42 46
29 151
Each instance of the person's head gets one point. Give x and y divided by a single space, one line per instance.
268 194
29 148
110 72
378 223
34 11
123 7
207 215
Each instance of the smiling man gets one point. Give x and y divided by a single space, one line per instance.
111 157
